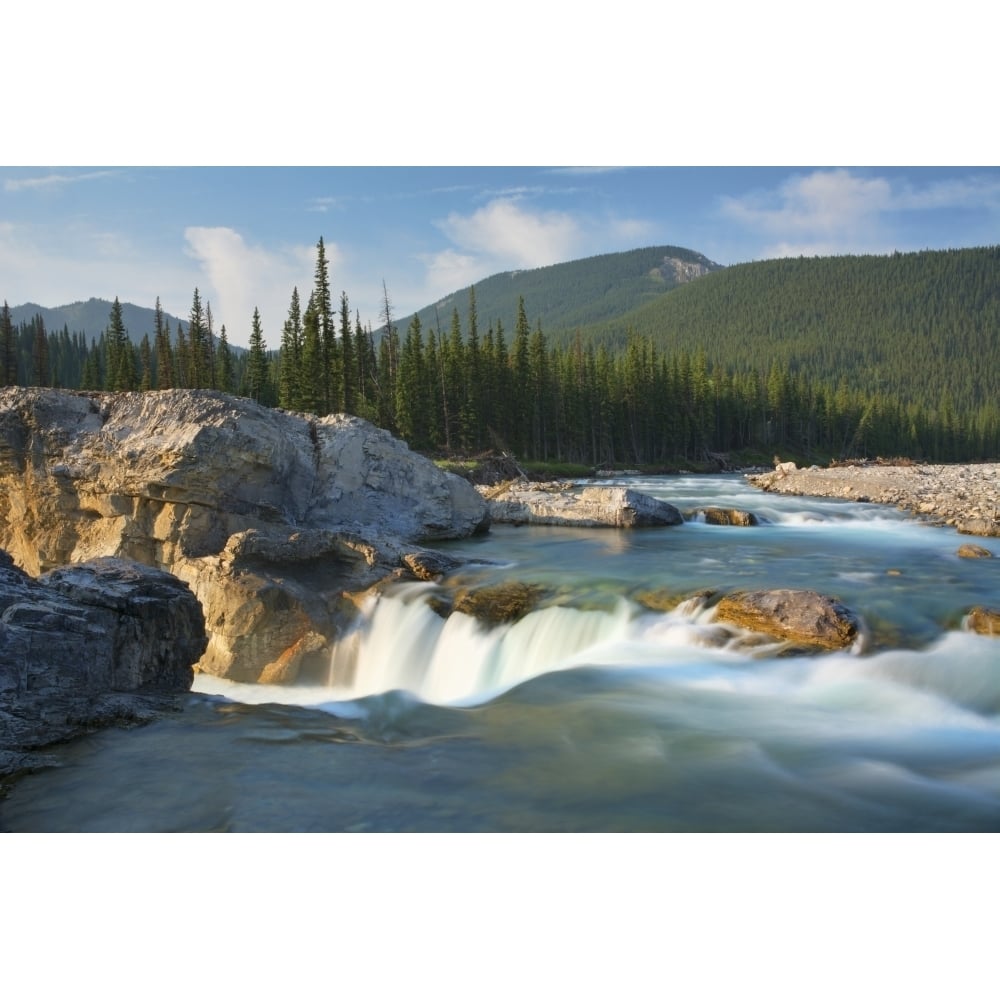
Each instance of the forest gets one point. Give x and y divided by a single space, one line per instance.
705 382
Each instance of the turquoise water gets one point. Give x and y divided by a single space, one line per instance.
593 713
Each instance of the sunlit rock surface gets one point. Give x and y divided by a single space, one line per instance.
268 516
595 506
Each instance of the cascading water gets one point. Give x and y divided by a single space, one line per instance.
593 712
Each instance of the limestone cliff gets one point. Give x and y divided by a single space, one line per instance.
268 516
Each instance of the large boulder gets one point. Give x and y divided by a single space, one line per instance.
802 617
594 506
99 643
269 516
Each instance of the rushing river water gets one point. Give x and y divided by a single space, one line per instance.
594 713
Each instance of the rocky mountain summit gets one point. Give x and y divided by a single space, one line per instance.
268 516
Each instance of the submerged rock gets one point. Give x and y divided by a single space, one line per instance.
500 603
968 551
798 616
268 516
96 644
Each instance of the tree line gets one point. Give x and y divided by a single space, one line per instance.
458 390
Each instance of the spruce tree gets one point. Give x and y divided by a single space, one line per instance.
8 352
257 365
226 376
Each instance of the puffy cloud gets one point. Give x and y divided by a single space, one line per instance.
504 231
839 211
506 235
822 212
240 277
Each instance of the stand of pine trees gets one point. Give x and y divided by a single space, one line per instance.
460 391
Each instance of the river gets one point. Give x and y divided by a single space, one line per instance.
594 713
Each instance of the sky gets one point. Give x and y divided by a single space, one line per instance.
246 236
213 152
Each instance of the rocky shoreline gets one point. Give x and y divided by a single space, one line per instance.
966 497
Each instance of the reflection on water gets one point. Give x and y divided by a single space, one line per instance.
594 713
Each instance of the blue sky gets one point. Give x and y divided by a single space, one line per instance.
334 91
245 236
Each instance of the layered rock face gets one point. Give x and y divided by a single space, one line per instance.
89 645
267 515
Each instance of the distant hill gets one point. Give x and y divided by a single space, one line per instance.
91 318
919 327
576 293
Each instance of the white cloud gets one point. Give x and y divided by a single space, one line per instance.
238 277
837 211
53 180
506 235
503 231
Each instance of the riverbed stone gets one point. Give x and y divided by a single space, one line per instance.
969 551
799 616
729 516
985 621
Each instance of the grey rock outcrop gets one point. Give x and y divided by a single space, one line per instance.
798 616
268 516
594 506
100 643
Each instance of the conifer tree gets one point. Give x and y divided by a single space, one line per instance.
257 363
197 351
40 371
348 362
323 305
290 376
145 364
8 351
226 376
120 360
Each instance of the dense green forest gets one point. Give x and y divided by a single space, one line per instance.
647 395
916 327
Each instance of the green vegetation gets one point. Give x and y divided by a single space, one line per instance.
811 359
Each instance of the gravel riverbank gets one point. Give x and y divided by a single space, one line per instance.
964 496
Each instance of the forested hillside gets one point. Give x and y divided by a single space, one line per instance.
918 327
813 359
90 318
579 292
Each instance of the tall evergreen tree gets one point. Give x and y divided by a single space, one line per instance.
323 304
226 374
290 378
257 363
197 377
348 360
8 348
120 359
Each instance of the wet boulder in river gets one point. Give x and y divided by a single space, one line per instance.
800 616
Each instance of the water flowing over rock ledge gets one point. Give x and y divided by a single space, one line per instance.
966 497
268 516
